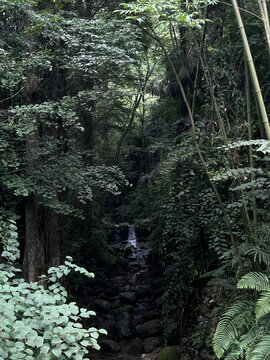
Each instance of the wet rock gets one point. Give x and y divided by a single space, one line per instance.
128 298
103 305
126 308
129 250
168 353
142 292
151 343
150 328
124 329
109 346
117 248
123 316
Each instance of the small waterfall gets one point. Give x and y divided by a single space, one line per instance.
132 240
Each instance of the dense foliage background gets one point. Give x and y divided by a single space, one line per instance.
146 112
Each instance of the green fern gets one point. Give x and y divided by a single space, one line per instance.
259 255
263 304
248 338
232 325
262 350
254 280
222 283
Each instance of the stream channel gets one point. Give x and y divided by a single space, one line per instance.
129 308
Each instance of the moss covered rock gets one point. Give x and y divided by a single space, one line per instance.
126 308
128 357
151 343
150 328
109 345
169 353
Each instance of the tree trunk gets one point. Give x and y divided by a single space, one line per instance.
33 261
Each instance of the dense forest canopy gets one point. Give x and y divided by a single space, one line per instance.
153 113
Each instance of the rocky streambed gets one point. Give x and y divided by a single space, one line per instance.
129 307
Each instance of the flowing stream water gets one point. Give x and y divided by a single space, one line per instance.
129 308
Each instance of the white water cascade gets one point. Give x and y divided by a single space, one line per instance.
132 240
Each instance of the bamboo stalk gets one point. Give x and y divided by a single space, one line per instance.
265 19
252 70
251 161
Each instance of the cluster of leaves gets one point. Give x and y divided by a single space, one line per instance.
243 330
160 11
37 322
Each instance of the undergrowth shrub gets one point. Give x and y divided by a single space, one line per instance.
37 322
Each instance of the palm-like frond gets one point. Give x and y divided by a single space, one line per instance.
262 350
222 283
248 338
263 304
259 255
231 325
254 280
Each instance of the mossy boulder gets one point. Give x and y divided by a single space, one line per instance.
109 346
169 353
128 357
151 343
103 305
150 328
126 308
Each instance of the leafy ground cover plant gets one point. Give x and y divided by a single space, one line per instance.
37 322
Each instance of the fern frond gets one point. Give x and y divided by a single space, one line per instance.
262 349
249 337
231 325
254 280
259 255
265 324
219 272
235 351
263 304
232 357
223 283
